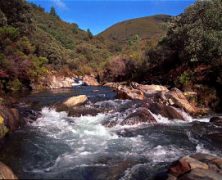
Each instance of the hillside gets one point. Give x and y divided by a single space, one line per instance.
34 43
67 43
146 28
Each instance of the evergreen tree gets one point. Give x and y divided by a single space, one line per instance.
53 12
89 33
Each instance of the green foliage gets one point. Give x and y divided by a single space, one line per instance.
184 78
8 32
75 29
53 12
90 35
32 41
197 34
14 85
18 15
25 46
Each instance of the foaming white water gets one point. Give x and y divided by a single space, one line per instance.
58 125
165 153
199 146
161 119
78 83
188 118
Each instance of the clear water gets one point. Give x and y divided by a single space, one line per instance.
60 147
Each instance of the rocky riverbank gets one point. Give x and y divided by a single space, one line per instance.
158 94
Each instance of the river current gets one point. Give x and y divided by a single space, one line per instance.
59 146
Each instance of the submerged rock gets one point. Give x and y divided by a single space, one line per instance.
216 120
90 81
83 111
6 172
197 166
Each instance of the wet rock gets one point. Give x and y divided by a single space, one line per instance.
165 111
75 100
90 81
6 172
83 111
142 115
157 94
29 115
216 121
179 167
178 99
125 92
196 166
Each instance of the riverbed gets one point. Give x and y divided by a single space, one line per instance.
59 146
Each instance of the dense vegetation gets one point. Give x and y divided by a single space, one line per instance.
190 56
33 43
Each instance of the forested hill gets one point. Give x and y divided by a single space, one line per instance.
33 42
145 27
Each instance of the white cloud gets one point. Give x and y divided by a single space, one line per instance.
59 3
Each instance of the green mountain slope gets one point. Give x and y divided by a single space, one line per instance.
145 27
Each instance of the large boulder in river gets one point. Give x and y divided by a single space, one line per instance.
197 166
177 98
6 172
90 81
75 100
69 105
165 111
141 115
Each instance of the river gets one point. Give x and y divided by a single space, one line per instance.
80 147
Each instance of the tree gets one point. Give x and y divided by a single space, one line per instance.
90 35
53 12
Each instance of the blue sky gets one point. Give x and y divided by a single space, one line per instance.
97 15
